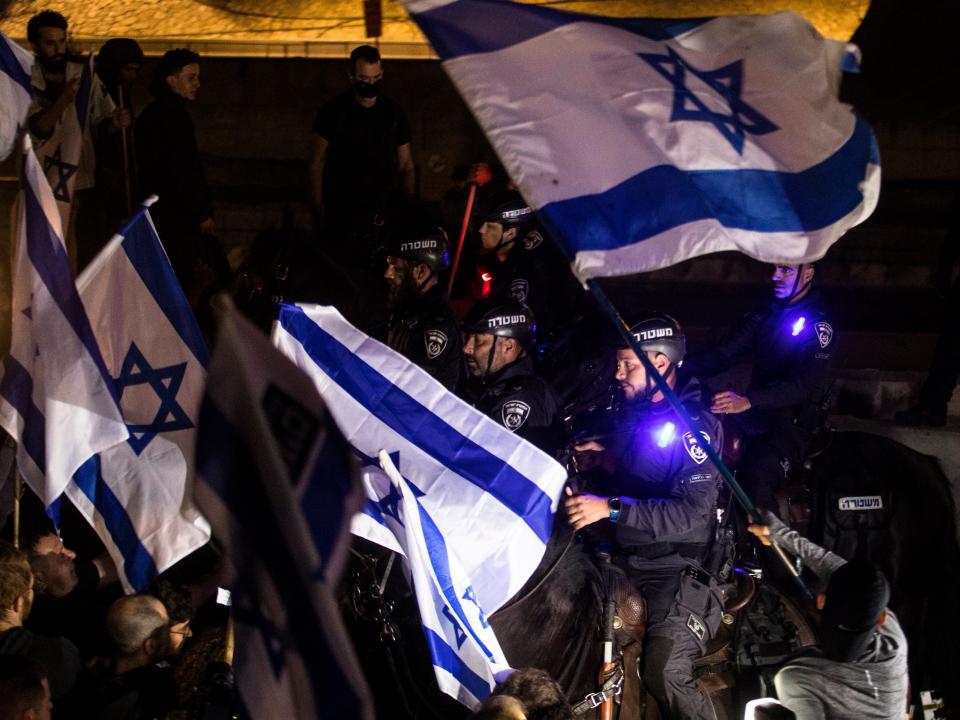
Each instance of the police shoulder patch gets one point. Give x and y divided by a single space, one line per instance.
519 289
436 342
695 625
514 414
694 447
824 333
532 240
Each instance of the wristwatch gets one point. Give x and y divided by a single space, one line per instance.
614 504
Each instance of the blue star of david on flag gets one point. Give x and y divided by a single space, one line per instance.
65 171
247 609
389 504
727 82
165 382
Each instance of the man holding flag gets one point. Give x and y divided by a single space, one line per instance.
68 100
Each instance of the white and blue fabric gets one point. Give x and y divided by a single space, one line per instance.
57 399
643 142
138 495
468 659
15 92
276 480
61 154
490 495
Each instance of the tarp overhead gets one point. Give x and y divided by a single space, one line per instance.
329 28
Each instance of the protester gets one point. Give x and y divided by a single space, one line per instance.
117 65
859 665
56 655
170 167
24 689
178 601
137 687
57 79
361 156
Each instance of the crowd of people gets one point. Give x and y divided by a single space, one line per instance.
76 642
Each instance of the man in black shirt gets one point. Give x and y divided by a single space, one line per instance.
422 326
361 153
170 167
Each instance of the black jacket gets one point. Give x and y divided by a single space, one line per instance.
425 331
790 346
668 488
170 163
522 402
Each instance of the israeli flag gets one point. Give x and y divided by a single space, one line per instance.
487 496
276 480
60 154
466 655
642 142
15 92
138 494
57 399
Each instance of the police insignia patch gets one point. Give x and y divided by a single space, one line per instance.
694 450
696 626
515 413
436 343
519 289
532 240
824 333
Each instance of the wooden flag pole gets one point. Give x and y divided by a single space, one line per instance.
463 234
126 156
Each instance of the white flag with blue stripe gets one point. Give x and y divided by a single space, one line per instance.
276 480
466 654
57 399
490 495
138 494
642 142
15 92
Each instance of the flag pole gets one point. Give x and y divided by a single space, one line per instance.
471 196
745 502
126 155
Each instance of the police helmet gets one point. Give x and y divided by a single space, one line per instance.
507 208
660 333
503 318
420 243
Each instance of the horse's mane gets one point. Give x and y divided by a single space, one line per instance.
551 623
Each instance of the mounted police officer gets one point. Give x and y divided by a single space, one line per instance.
664 516
514 254
422 327
499 335
790 343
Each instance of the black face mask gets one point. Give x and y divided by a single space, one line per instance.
368 90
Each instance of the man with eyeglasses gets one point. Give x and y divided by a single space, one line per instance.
790 343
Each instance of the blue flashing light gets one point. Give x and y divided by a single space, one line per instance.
666 434
798 325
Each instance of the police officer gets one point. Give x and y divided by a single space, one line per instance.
664 516
790 343
422 327
513 255
502 384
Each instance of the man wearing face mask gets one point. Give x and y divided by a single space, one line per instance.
790 343
422 327
361 157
